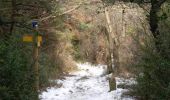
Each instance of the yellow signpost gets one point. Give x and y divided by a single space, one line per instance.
29 38
36 39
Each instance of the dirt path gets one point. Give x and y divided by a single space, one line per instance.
88 83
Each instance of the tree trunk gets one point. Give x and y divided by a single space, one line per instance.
110 58
113 52
123 22
155 7
113 44
12 16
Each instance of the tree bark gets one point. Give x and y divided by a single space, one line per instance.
110 58
113 52
155 7
113 44
12 16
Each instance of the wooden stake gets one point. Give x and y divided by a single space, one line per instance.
35 65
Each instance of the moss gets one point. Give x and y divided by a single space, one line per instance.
112 84
84 27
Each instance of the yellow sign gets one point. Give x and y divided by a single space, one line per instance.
39 38
29 38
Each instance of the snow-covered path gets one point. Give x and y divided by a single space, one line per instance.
88 83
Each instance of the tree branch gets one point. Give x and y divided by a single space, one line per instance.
66 12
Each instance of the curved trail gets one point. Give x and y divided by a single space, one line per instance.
88 83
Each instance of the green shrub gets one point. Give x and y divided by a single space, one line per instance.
84 26
154 80
15 71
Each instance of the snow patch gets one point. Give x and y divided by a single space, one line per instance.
88 83
87 69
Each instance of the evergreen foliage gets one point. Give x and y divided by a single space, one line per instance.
16 61
16 74
153 80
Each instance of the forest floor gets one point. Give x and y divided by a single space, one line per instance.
87 83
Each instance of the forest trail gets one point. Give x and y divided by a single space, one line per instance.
87 83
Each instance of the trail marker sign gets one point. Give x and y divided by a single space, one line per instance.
34 24
28 38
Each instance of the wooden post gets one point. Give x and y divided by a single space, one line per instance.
35 59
